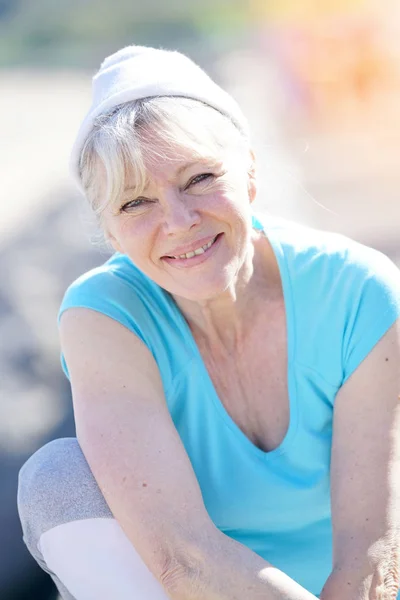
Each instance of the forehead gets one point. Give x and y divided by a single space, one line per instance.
164 151
173 148
162 161
172 170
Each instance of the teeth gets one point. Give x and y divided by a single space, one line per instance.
197 251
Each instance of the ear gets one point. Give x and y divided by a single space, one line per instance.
252 178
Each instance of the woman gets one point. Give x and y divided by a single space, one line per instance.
235 379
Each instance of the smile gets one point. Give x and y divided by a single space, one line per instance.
194 258
196 252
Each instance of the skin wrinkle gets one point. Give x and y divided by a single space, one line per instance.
218 305
127 133
391 569
132 191
225 197
207 323
384 582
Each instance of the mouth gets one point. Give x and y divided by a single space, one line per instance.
196 256
196 252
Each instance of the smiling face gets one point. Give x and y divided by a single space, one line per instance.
190 229
187 223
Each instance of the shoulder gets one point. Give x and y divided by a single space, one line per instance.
331 260
344 295
120 291
117 271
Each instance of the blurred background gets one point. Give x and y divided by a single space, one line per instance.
320 83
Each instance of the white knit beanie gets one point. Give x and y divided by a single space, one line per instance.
140 72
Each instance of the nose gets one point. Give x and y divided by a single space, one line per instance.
179 213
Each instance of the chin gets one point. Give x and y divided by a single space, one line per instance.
201 291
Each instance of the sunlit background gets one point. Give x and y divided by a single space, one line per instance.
320 83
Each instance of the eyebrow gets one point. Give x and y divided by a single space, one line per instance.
182 168
133 188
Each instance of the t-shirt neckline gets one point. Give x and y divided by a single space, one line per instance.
271 231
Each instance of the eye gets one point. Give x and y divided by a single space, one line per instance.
138 202
199 179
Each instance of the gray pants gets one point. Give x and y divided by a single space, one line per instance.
71 532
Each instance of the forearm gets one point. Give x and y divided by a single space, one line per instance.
369 577
227 570
347 585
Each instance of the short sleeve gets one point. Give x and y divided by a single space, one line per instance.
104 292
122 292
345 298
373 291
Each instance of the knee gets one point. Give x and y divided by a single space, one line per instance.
56 486
43 479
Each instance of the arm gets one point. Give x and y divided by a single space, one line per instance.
139 462
365 479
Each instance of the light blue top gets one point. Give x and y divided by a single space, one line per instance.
340 298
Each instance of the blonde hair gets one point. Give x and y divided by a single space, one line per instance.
122 139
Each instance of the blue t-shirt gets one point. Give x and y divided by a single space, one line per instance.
340 298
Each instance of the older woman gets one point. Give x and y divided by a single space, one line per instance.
235 378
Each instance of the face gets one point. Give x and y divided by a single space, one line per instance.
190 230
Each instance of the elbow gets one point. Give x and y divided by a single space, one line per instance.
188 568
386 585
179 583
386 578
181 578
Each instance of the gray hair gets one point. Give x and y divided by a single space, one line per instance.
122 139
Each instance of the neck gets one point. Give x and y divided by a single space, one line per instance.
223 322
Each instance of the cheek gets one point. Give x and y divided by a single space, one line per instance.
133 228
235 193
226 199
233 205
127 234
139 239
